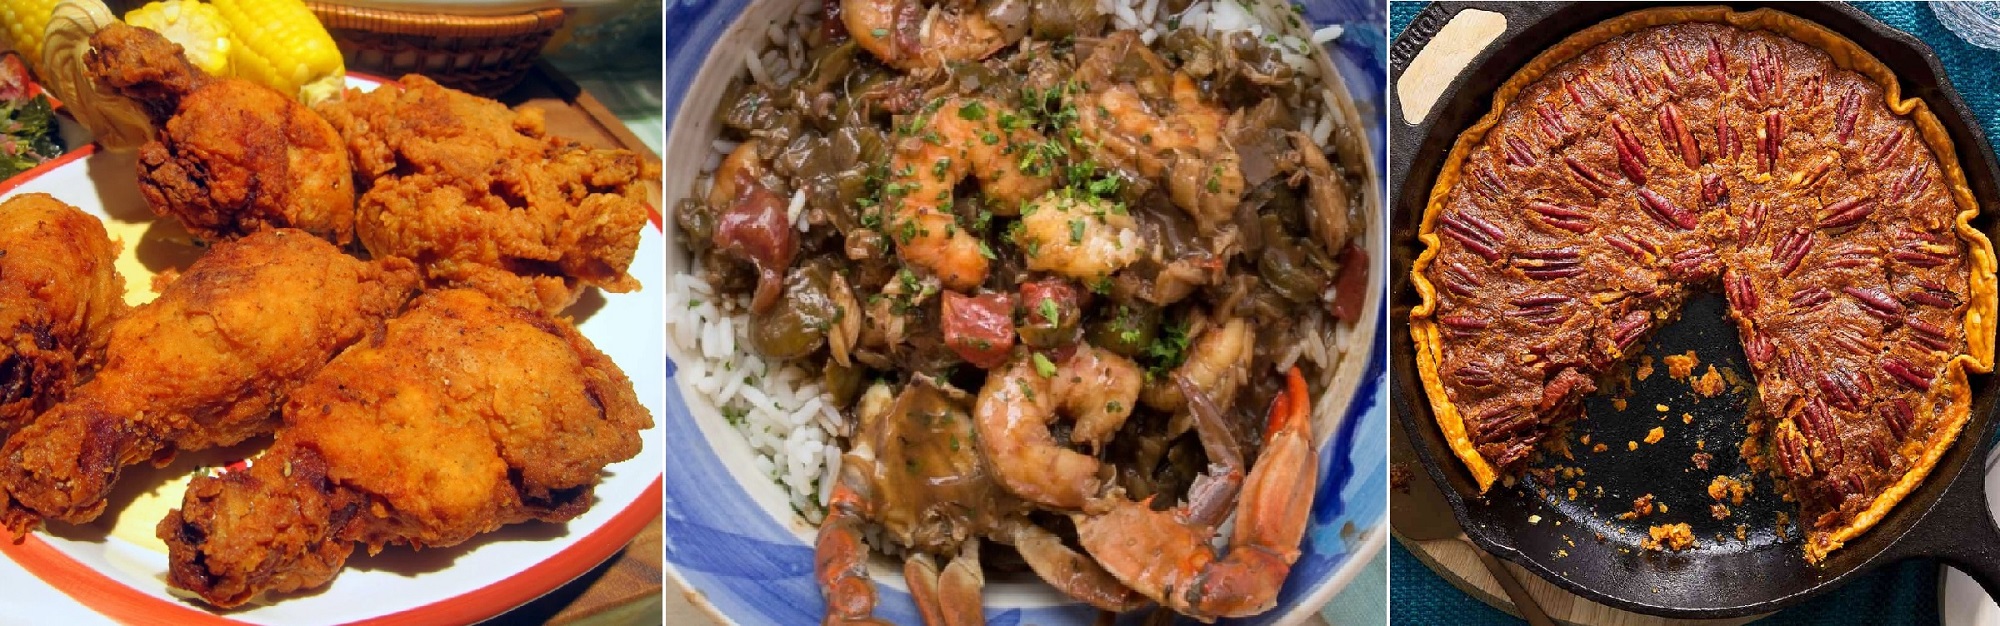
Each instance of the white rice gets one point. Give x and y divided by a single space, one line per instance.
782 413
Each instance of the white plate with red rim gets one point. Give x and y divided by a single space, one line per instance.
113 570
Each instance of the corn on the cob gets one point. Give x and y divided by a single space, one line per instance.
197 27
22 23
278 43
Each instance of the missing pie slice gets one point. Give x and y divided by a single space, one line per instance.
1672 151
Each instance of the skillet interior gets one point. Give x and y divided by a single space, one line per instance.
1717 578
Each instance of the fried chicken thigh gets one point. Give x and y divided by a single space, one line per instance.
207 364
232 157
481 197
465 415
58 296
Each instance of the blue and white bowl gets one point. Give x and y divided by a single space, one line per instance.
735 546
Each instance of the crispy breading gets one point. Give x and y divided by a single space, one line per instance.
232 157
464 186
207 364
58 296
464 415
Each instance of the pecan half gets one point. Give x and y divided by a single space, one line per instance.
1564 218
1630 328
1792 249
1933 294
1769 139
1518 153
1474 375
1929 335
1839 387
1877 303
1673 133
1727 143
1921 250
1897 415
1913 182
1713 190
1552 123
1639 248
1693 264
1718 66
1550 263
1665 211
1846 213
1543 310
1463 323
1906 373
1458 279
1821 428
1631 154
1843 118
1587 176
1810 298
1741 296
1499 423
1790 448
1884 152
1855 255
1486 184
1757 348
1475 233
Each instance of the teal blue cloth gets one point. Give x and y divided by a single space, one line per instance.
1903 593
1365 600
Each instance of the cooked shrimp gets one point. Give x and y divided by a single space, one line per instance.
1175 134
1217 364
958 137
906 35
1078 236
1094 387
1167 555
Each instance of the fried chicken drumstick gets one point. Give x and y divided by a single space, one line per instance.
481 197
207 364
463 416
58 296
232 157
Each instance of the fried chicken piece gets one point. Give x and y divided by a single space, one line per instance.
232 157
58 296
207 364
464 415
481 197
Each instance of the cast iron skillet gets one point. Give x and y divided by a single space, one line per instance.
1537 524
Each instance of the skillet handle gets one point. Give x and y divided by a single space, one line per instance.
1960 530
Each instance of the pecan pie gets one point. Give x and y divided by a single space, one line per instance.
1673 151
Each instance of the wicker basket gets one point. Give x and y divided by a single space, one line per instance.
485 55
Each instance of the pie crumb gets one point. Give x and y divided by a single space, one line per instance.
1674 537
1742 531
1655 435
1718 511
1599 448
1631 445
1710 384
1680 366
1687 418
1728 487
1645 367
1618 403
1701 460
